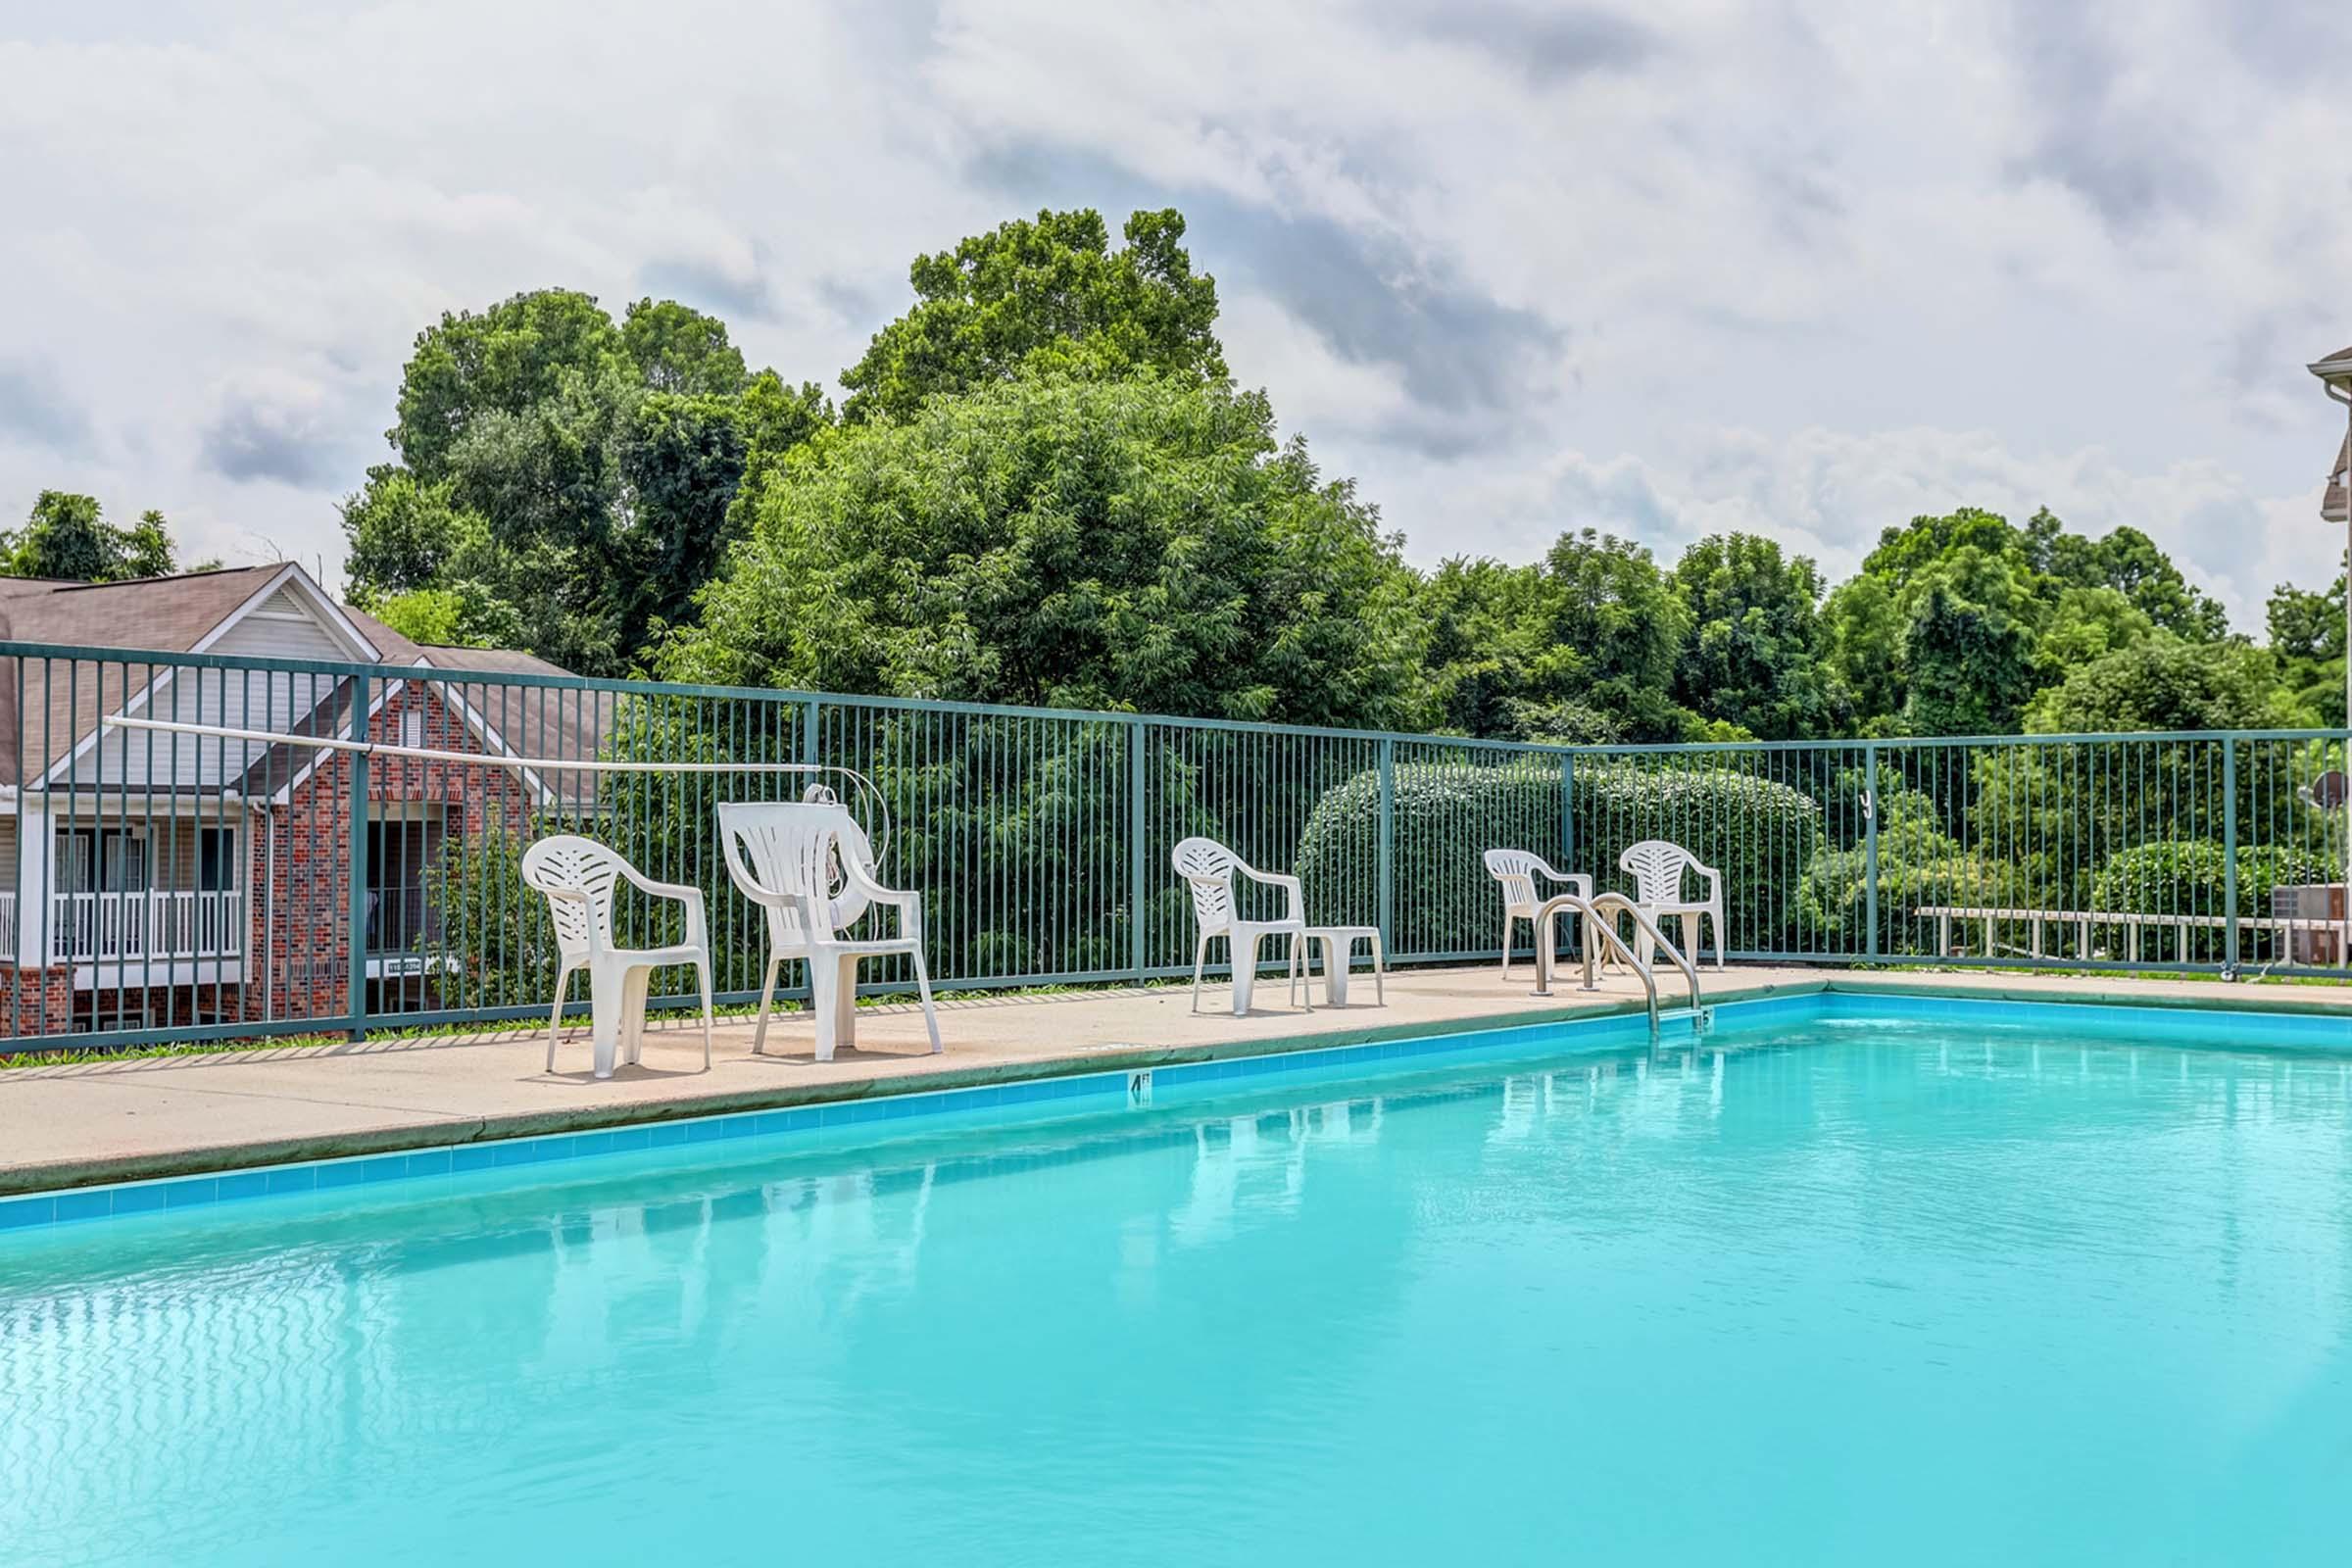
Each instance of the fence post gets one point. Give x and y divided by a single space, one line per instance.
1869 843
1568 810
1387 846
1137 734
2230 850
808 750
358 911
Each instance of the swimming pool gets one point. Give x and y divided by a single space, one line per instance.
1847 1280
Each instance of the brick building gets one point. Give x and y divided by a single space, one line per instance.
163 878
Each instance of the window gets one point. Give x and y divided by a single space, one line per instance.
216 859
411 727
100 860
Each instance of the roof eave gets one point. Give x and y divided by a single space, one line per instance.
2338 369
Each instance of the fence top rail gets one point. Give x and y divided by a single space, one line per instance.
790 697
2143 918
775 695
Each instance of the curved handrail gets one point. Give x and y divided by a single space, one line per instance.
1597 921
1618 902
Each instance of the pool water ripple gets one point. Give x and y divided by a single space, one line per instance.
1837 1291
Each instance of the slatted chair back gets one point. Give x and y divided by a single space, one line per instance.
1657 867
568 860
1516 871
795 847
1207 867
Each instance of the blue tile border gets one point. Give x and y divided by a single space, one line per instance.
83 1205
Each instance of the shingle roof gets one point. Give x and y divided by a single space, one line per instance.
47 707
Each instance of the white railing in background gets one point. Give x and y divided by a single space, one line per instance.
110 926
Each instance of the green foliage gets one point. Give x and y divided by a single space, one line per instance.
1955 623
67 538
2188 876
681 351
1580 648
1140 543
1756 830
460 617
490 922
1039 295
1920 865
570 480
2307 639
1968 647
2162 683
681 461
1753 654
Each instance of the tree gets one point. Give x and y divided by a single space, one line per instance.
678 349
507 360
2163 683
66 537
463 616
1578 648
681 461
1968 648
1752 655
568 482
1955 622
1048 293
2130 562
1138 543
2307 640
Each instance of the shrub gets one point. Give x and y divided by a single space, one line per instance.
1920 866
1758 832
2186 876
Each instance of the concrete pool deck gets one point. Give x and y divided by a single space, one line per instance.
76 1124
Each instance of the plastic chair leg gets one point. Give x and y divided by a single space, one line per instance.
922 988
767 997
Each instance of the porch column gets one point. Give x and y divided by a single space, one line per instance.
36 861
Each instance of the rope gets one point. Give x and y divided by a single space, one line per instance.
868 794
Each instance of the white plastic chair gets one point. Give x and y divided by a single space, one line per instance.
787 857
581 877
1517 870
1207 869
1659 868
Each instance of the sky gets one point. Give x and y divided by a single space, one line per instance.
1805 268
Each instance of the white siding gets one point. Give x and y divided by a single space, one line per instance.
274 701
282 628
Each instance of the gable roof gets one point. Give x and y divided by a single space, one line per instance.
49 708
2337 505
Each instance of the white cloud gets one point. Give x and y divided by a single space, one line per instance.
1668 266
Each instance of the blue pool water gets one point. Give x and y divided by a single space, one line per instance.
1842 1285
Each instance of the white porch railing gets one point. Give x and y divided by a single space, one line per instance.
161 924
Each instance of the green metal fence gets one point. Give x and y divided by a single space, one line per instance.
165 886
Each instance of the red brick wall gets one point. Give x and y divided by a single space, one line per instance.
304 924
36 1002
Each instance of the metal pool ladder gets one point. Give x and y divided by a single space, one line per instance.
1599 917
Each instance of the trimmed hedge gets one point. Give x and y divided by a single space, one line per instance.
2186 876
1758 832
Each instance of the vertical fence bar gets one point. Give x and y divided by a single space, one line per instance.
2230 852
1138 737
1568 810
1387 869
1869 852
357 929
